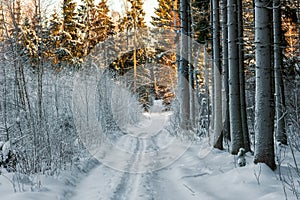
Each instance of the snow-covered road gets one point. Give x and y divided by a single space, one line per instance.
146 172
154 165
148 164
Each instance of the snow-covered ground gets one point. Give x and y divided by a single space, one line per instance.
151 170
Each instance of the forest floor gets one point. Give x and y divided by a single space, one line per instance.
196 172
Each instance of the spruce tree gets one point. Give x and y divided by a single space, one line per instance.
135 16
55 25
71 36
85 16
201 20
28 40
264 102
165 14
101 25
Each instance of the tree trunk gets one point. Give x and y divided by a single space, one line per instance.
207 93
218 139
225 86
264 108
191 67
5 105
212 88
236 129
279 86
242 77
184 68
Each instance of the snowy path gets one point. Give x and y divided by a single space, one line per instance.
134 182
149 164
200 173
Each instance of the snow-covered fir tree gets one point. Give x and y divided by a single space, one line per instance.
71 35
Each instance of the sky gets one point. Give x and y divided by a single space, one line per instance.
118 5
149 6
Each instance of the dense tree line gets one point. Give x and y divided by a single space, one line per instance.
244 54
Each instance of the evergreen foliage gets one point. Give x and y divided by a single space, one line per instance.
165 14
70 36
201 20
134 18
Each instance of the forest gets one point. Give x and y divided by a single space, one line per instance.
84 85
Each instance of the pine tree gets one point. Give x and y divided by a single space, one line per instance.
135 16
85 16
165 14
183 68
242 75
55 25
101 25
2 22
225 73
218 142
264 110
236 128
166 19
278 79
29 40
201 20
70 36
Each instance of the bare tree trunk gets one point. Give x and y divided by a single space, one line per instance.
264 106
225 85
207 93
191 67
5 104
242 76
211 87
236 129
218 139
279 86
184 68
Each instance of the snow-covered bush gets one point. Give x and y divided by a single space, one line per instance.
174 125
8 157
288 156
116 105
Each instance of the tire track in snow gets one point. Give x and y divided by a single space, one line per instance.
121 187
135 185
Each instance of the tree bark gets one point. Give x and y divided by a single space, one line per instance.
279 86
218 139
236 129
242 76
264 105
184 68
225 85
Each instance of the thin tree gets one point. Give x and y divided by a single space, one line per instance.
242 75
279 86
236 130
134 21
225 85
183 70
264 108
218 138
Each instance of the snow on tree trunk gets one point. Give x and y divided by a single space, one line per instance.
236 130
218 139
264 108
279 86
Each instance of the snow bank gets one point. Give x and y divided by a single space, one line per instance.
15 186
